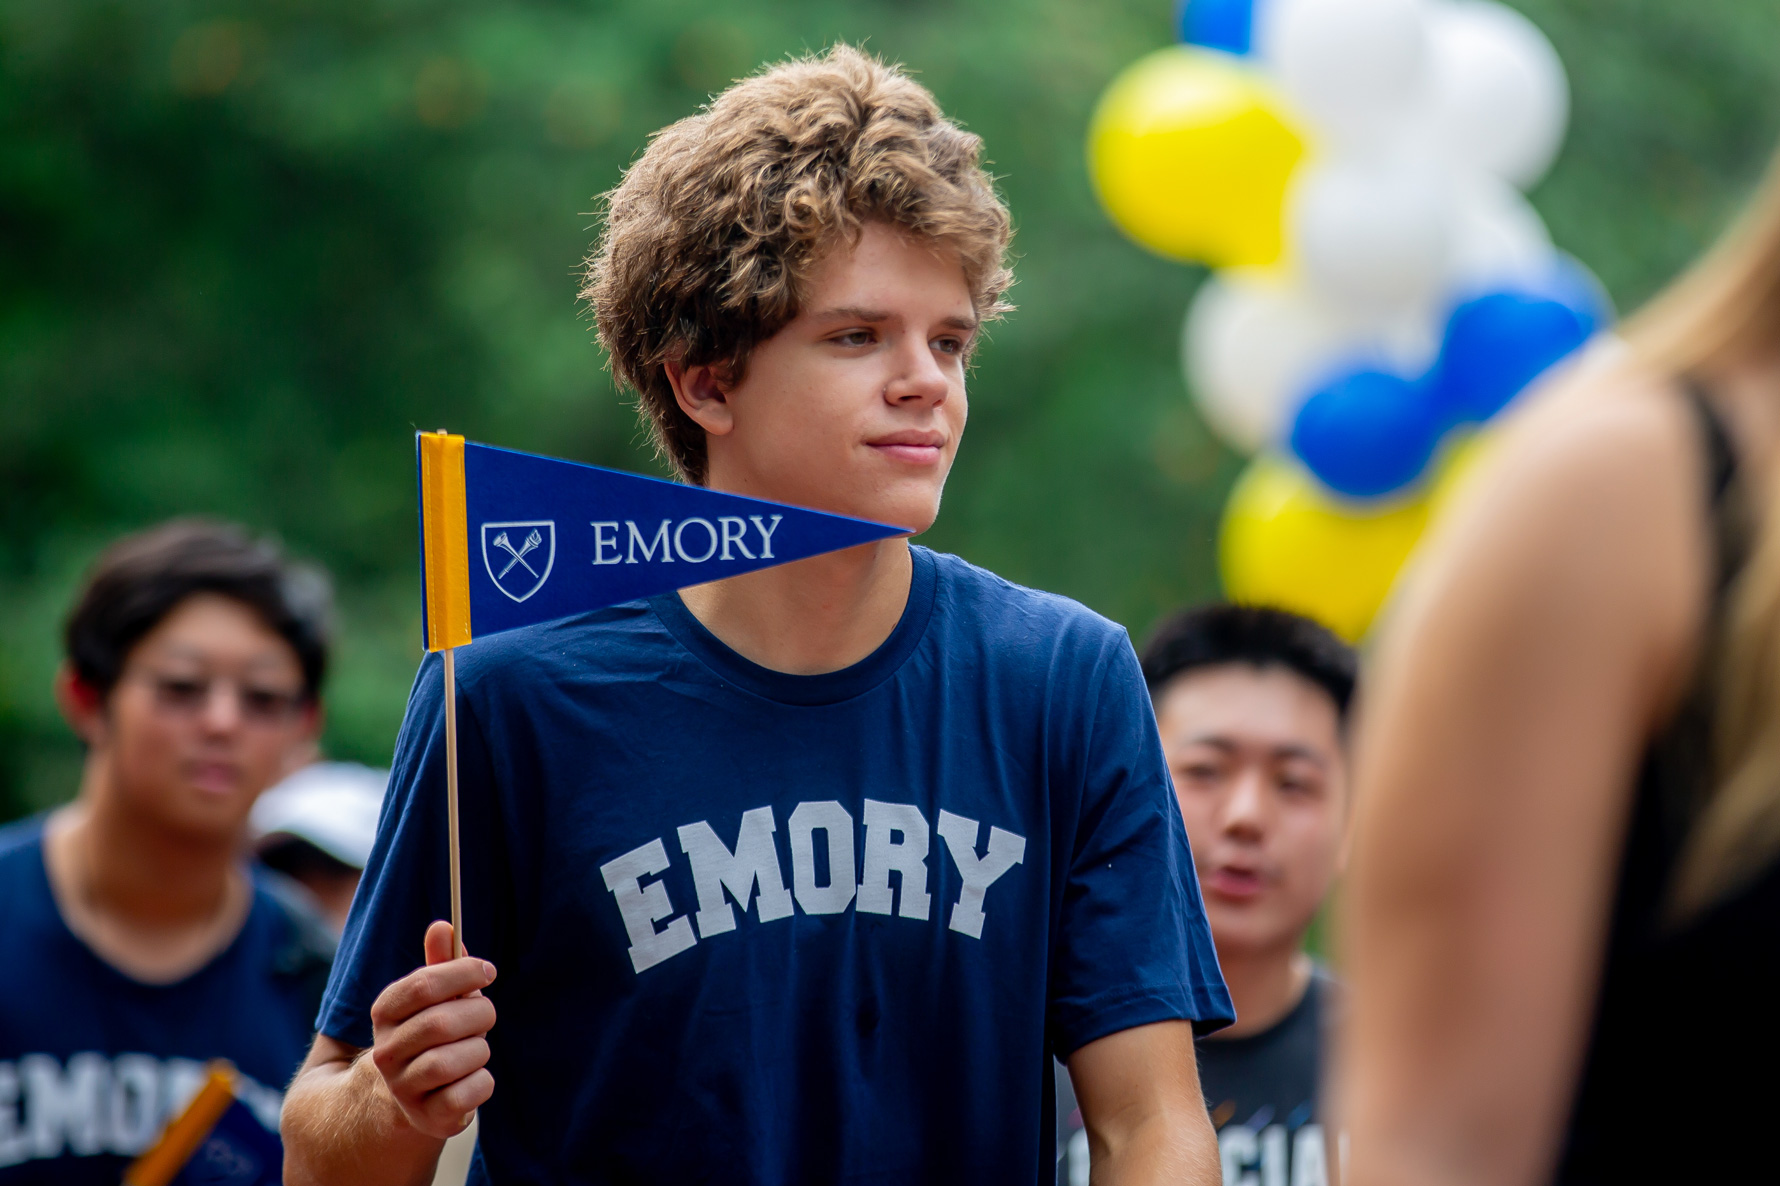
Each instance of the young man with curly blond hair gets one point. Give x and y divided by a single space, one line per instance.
799 876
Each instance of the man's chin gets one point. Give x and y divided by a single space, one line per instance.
916 510
1244 930
917 515
204 817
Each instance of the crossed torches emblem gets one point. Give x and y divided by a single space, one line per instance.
532 542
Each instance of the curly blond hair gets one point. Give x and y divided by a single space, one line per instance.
711 235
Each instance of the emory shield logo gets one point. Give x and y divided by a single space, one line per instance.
519 556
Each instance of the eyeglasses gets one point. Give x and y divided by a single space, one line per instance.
183 695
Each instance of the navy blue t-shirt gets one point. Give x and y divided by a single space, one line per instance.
757 927
93 1063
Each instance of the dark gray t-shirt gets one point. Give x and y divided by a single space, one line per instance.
1262 1092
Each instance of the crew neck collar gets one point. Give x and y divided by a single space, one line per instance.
65 934
830 687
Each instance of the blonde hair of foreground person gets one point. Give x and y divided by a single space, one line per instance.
1723 310
1554 625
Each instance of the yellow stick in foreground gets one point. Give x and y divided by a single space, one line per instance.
186 1131
445 538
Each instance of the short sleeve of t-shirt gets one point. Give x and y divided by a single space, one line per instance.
407 881
1133 944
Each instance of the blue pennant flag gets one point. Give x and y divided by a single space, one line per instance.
238 1152
510 538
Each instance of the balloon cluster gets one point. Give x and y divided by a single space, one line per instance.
1353 170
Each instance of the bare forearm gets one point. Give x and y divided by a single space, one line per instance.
1164 1148
342 1127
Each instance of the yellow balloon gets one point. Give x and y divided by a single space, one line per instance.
1456 466
1190 153
1287 543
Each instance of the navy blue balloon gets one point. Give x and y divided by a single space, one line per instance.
1228 25
1367 433
1498 343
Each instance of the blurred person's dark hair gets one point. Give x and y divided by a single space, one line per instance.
140 579
1723 309
1220 634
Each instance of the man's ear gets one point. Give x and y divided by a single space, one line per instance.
82 705
703 394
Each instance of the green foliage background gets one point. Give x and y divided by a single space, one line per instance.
246 248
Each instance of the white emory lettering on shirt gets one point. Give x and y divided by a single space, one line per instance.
96 1104
898 842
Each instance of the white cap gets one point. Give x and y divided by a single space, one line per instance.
332 805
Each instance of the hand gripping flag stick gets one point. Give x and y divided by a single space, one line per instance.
588 537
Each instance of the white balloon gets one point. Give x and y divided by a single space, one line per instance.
1248 350
1404 341
1498 237
1376 234
1254 347
1354 68
1498 98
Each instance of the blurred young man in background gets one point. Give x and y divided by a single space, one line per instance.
138 944
1252 704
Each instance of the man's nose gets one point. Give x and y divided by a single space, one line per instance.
921 380
222 707
1245 806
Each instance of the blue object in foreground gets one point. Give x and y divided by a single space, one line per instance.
1217 24
1498 343
550 538
238 1152
1367 433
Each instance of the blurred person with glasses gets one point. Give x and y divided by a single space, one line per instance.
139 942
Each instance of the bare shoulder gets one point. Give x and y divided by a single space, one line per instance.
1585 522
1610 433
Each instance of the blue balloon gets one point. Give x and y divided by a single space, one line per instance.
1498 343
1228 25
1367 433
1569 282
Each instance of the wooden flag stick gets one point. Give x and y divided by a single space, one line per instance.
445 564
457 895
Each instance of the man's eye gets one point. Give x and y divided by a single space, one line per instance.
183 691
267 703
949 345
853 337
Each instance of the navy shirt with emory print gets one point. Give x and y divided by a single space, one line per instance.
764 928
93 1062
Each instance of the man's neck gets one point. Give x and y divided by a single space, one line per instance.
1264 986
155 904
811 616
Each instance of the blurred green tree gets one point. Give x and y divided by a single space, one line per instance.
246 248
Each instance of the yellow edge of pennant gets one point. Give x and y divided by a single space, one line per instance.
446 538
185 1132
